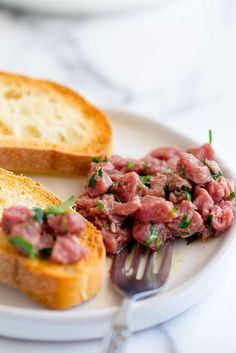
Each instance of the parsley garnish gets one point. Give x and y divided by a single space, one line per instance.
185 222
60 209
210 137
29 249
147 164
182 172
214 175
209 222
173 211
92 180
45 253
100 172
231 196
39 214
100 205
192 239
153 236
145 179
166 191
184 234
96 160
186 192
130 165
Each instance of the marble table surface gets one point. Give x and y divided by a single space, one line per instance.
174 62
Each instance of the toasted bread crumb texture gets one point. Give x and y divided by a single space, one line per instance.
42 114
54 285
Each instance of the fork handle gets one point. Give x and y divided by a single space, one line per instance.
117 336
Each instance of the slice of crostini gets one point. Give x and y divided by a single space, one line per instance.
47 128
54 285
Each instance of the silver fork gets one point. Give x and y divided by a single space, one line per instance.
126 283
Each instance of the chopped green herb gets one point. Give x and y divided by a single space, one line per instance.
214 175
186 192
182 172
100 205
153 236
126 183
100 172
166 191
65 224
192 239
173 212
231 196
130 166
184 234
39 214
60 209
92 181
139 187
185 222
147 164
28 249
45 253
96 160
209 222
145 179
210 137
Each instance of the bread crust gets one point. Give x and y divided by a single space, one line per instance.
54 285
36 156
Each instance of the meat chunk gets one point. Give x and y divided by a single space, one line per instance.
115 241
203 152
127 208
203 202
155 209
127 187
151 235
99 183
46 241
157 185
223 216
220 189
191 168
175 182
15 215
165 152
118 161
187 222
67 250
107 167
31 232
72 223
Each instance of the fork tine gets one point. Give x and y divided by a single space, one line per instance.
166 263
150 263
139 251
118 264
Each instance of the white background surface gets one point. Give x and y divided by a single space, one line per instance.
175 62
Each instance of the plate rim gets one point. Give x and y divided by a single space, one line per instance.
58 315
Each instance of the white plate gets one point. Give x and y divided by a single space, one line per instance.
73 7
195 271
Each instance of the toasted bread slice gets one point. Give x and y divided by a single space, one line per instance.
57 286
47 128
